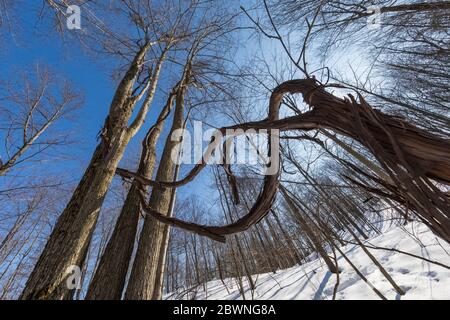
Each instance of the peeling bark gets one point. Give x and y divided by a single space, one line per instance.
411 156
141 284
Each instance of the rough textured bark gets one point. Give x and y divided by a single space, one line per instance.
159 278
297 259
418 7
109 279
143 274
70 238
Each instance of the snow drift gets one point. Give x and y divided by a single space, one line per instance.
419 279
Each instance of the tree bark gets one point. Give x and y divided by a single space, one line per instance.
141 285
309 232
69 241
409 155
158 290
109 279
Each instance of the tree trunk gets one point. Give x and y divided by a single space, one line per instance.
109 279
141 285
69 241
412 157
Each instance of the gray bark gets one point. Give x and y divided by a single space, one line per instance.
109 279
69 241
141 285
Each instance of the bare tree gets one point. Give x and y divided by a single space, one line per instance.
70 238
28 114
109 279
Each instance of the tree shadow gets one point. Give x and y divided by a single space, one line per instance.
322 286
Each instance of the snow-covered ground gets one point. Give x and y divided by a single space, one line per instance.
420 279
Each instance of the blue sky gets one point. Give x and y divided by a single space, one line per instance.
34 42
31 46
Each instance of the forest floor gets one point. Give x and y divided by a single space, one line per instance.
312 281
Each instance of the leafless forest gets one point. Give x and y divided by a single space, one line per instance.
353 98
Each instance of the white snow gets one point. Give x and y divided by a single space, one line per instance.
420 279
